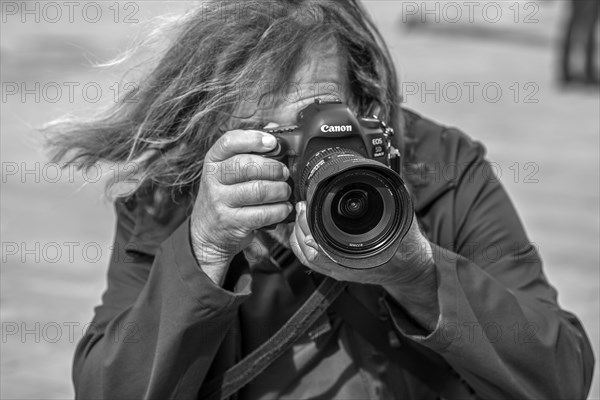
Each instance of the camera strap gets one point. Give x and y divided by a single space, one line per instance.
257 361
429 368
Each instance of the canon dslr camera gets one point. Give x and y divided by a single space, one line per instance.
358 208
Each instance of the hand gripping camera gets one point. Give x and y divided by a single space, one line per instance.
358 207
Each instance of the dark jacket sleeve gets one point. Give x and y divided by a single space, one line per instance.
500 327
156 313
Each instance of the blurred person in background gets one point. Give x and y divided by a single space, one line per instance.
191 295
579 43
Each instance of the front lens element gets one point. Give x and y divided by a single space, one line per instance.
357 208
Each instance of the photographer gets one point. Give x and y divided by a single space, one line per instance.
195 279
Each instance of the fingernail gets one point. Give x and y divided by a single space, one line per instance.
298 208
286 172
271 125
269 141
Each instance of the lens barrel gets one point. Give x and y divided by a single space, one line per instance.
358 209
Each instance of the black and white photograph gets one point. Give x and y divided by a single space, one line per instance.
300 199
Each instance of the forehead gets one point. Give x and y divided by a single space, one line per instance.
321 76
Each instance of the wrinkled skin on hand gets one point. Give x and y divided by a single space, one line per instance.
409 277
411 262
239 193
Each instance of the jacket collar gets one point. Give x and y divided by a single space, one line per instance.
436 157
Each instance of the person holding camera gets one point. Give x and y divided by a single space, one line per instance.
292 244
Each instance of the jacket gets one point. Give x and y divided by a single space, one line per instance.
164 327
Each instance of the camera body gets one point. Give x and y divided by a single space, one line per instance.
322 126
358 207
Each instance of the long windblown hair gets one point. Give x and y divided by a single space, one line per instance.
190 96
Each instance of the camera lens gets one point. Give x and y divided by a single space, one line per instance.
358 209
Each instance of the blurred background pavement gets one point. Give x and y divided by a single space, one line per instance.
493 74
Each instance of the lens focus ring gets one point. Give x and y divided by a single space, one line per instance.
330 156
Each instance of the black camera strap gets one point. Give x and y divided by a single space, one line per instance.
257 361
430 369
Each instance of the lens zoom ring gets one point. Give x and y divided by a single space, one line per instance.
330 156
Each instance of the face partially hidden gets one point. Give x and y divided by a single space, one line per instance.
321 77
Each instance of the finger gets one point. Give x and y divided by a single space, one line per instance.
256 192
256 217
248 167
240 142
306 243
295 246
302 220
304 253
307 255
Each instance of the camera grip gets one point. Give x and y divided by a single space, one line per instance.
292 215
